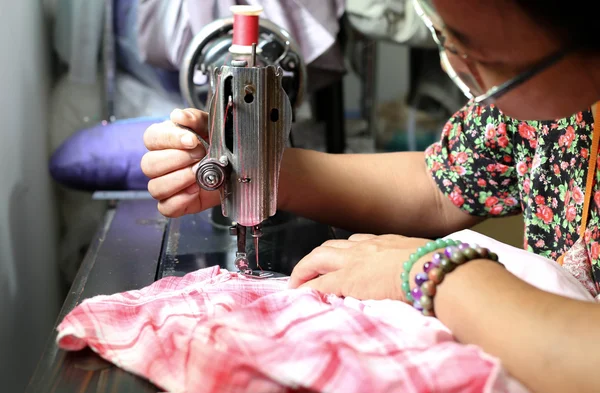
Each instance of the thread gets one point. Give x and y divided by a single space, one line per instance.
245 30
245 26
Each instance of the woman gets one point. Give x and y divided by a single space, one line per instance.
545 64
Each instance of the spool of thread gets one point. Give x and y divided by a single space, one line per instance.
245 27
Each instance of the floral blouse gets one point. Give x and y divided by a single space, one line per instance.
492 165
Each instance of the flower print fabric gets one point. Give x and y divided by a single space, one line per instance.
492 165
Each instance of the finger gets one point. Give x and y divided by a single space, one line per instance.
191 118
170 184
160 162
393 237
327 284
184 202
359 237
338 243
167 135
321 260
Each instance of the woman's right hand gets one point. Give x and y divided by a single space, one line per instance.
173 152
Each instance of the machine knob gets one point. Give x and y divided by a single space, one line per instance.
210 176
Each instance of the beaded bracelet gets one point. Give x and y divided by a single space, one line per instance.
441 264
420 253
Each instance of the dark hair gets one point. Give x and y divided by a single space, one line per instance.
565 20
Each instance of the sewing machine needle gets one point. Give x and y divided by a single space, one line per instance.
256 233
256 251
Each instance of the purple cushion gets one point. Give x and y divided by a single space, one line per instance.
103 158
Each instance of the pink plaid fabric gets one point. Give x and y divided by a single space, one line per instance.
216 331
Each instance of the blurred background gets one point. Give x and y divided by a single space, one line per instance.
81 80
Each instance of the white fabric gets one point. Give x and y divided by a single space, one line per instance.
536 270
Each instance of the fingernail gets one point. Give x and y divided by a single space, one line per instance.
193 189
187 140
177 112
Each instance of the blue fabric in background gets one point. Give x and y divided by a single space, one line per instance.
128 57
105 157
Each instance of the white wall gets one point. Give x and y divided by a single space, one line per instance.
29 297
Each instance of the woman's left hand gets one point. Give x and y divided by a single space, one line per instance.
362 267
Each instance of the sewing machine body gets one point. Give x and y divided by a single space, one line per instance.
249 123
252 92
250 119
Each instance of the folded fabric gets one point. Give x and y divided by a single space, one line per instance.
542 273
217 331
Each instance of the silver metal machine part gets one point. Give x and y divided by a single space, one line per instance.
249 123
250 100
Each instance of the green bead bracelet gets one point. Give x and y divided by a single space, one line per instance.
420 253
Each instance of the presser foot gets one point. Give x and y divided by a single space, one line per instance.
262 274
241 263
241 258
259 274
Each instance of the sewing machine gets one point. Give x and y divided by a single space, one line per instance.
255 80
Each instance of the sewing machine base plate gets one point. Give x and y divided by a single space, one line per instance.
201 240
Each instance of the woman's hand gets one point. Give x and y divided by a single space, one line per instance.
363 267
173 151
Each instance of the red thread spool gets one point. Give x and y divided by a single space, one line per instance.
245 25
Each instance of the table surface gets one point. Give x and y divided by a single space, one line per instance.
135 246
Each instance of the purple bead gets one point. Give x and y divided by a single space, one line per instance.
463 246
436 259
421 278
417 305
450 250
416 292
427 267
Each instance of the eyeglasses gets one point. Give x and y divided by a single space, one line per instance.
470 82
